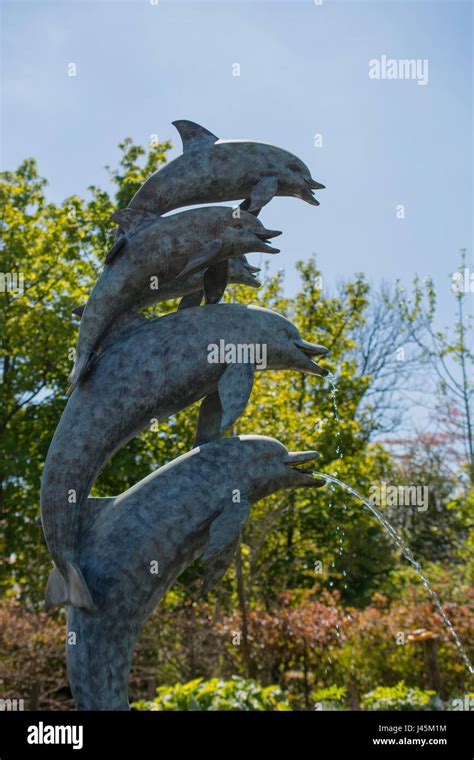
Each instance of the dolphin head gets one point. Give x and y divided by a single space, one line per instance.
243 273
285 347
270 467
246 233
297 180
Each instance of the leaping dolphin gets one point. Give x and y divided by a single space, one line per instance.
134 546
211 170
149 371
156 251
190 289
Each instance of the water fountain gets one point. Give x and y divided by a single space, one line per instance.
115 558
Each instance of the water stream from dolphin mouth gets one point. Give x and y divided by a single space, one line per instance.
333 394
407 553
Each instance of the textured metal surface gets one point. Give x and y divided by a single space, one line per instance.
131 372
167 519
150 373
154 253
212 170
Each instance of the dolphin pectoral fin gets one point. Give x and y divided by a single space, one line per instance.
234 389
56 592
224 536
192 299
77 592
216 567
245 206
193 135
209 423
215 281
202 258
120 243
262 193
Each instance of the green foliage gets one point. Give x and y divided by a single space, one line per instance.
237 694
399 697
313 563
330 698
59 249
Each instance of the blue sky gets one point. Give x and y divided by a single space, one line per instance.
303 71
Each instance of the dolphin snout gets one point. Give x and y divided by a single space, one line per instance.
311 349
308 350
307 195
307 191
295 459
252 280
264 234
248 273
314 185
263 237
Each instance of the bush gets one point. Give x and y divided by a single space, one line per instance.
332 698
32 661
237 694
399 697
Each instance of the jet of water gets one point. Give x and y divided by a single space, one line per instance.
407 553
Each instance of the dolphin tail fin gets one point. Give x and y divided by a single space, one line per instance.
245 205
72 591
84 362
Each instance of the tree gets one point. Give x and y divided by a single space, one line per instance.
449 357
51 254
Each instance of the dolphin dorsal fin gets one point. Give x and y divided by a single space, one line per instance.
128 218
193 135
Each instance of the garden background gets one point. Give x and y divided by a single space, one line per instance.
319 604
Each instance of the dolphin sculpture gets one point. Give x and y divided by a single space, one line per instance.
159 250
211 170
134 546
190 289
150 370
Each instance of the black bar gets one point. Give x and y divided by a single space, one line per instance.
311 735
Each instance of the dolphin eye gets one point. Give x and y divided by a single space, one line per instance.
294 167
